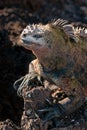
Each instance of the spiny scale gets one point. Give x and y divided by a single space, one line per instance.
69 29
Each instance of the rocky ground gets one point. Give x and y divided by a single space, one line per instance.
14 62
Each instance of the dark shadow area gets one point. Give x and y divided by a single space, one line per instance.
13 64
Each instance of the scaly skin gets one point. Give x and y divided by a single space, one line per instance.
61 52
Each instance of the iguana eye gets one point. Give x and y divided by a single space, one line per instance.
37 35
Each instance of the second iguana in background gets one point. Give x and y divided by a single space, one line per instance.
61 58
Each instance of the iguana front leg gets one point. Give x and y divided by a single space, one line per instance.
28 79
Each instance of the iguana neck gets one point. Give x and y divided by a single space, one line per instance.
51 61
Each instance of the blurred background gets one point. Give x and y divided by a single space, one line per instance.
14 60
16 14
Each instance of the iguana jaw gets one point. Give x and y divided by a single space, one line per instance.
25 41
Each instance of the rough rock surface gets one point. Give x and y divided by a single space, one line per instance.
14 61
41 97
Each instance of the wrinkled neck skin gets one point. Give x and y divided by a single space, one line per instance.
50 58
44 57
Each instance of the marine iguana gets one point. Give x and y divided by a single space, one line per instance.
61 52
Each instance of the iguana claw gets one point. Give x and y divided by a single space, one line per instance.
21 83
53 112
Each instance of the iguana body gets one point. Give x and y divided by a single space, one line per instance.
61 52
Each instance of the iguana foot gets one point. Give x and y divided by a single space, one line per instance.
54 111
28 80
21 83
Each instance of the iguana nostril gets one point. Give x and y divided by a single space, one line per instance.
24 35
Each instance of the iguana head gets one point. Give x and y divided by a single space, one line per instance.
40 36
34 37
49 42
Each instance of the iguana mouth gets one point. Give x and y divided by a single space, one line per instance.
26 41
